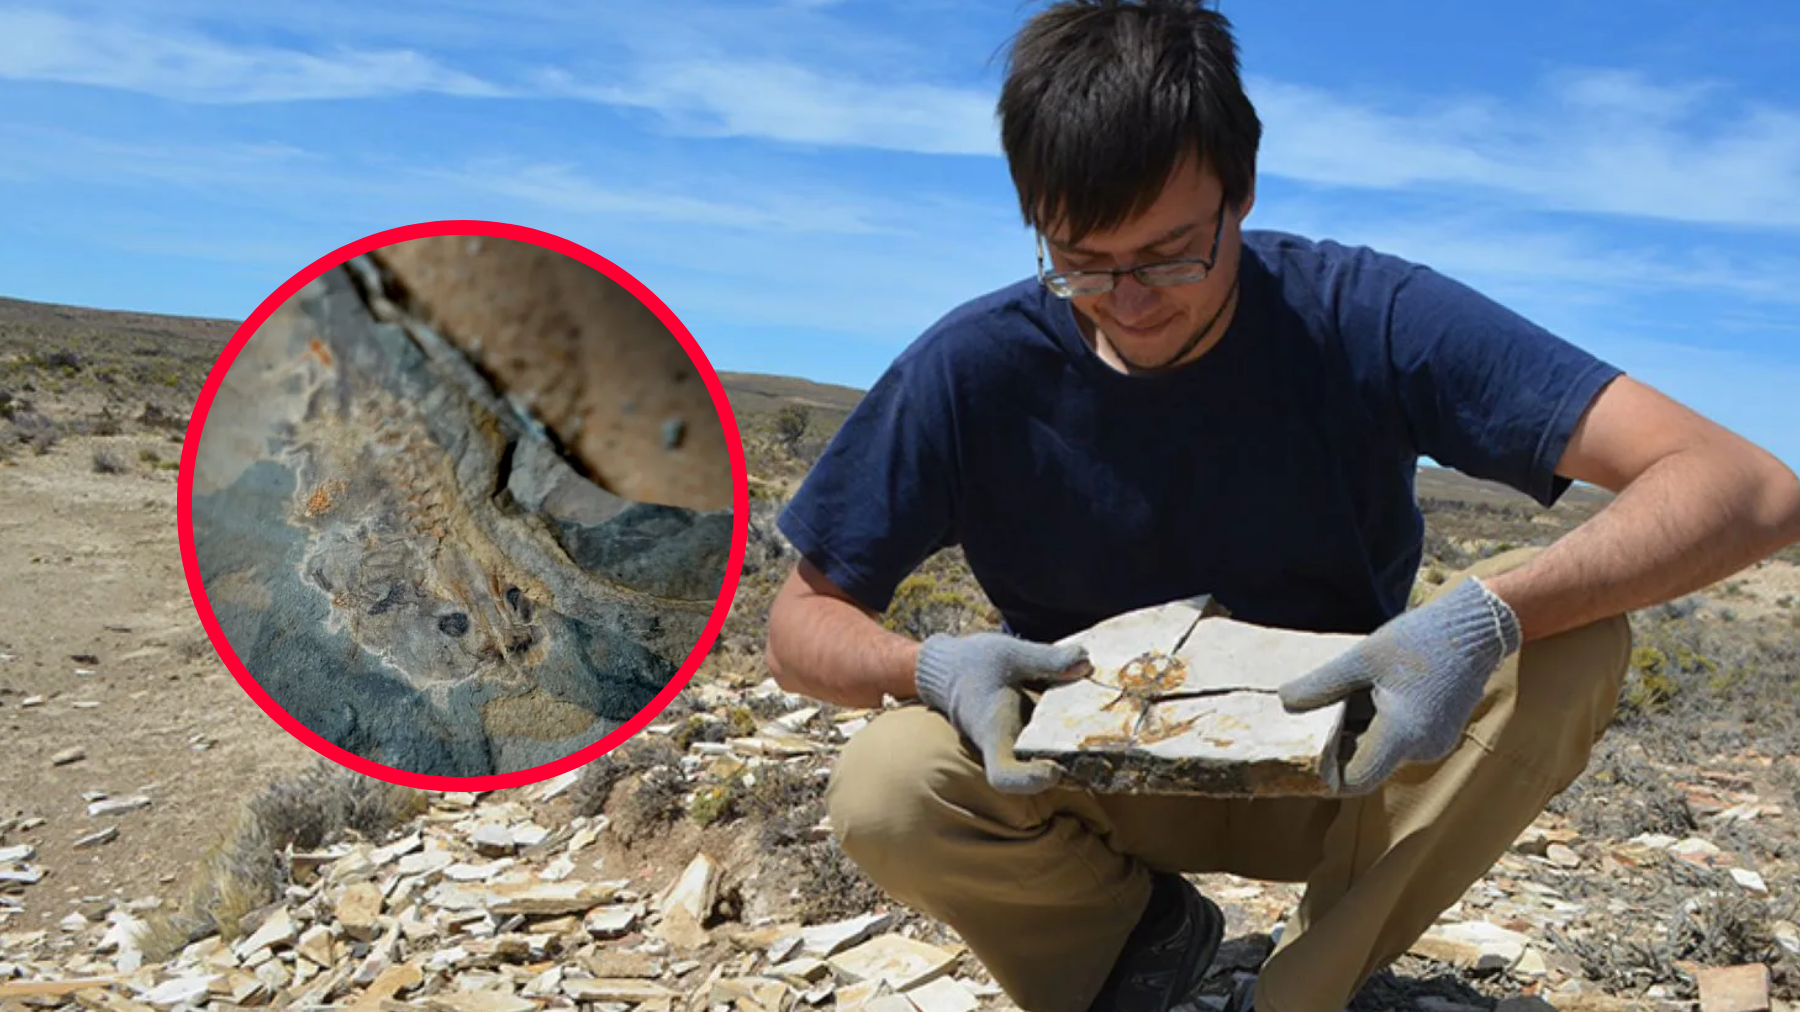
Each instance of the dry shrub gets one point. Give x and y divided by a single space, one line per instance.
35 430
788 799
652 803
591 793
245 869
835 888
108 462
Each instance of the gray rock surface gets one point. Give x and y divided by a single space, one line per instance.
1182 699
407 565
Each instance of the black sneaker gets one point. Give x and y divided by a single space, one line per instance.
1168 953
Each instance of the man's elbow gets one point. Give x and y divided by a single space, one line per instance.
1772 496
1784 508
772 659
775 640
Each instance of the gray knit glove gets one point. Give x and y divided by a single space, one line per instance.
1426 669
974 681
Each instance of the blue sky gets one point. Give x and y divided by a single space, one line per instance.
810 183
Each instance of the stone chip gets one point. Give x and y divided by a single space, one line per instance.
902 962
1742 988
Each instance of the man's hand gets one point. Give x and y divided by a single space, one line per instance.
974 681
1426 669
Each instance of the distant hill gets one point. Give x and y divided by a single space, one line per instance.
1454 486
21 319
757 394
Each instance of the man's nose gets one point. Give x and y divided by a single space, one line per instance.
1131 296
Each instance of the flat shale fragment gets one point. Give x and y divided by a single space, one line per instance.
406 564
1182 700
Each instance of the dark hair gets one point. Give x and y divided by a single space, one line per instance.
1103 98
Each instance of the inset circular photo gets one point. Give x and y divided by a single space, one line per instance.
463 505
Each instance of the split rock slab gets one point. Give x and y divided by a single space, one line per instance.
1182 700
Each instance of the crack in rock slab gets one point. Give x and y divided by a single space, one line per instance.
1182 699
410 569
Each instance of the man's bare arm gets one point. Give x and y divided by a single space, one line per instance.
1695 503
827 647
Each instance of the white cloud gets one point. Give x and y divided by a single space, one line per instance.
1589 141
1598 142
283 255
1531 255
46 46
47 153
1605 142
561 188
781 101
700 93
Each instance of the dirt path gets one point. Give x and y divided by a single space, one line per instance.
92 566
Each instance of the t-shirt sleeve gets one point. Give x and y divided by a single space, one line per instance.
1484 390
881 498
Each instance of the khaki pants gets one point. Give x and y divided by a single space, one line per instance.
1044 889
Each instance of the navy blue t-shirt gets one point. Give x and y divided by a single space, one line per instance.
1275 472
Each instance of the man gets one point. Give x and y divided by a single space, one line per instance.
1177 406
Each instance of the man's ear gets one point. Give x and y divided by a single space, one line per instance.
1248 202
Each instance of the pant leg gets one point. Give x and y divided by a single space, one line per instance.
1043 889
1394 860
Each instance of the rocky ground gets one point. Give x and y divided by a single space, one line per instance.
163 847
694 869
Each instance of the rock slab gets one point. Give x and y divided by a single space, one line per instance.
1742 988
1182 700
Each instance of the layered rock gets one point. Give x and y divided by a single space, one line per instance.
407 565
1182 699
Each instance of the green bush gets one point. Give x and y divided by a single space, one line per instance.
717 803
1648 685
924 604
790 424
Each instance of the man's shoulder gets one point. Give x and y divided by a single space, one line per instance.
994 333
1306 263
1342 292
1008 314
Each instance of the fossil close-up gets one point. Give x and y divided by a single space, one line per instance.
409 564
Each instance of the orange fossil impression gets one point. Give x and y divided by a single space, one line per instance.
1144 681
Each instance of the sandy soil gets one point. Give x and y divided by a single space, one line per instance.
93 566
1771 587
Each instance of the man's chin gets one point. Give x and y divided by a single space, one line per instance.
1145 348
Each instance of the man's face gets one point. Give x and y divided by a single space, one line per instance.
1147 325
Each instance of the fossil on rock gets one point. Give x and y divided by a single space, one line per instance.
1182 700
407 564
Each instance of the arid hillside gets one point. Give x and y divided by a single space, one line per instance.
164 845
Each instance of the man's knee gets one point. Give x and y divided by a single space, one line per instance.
1571 678
1548 707
1576 675
901 781
1485 569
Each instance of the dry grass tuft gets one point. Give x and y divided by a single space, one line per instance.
245 869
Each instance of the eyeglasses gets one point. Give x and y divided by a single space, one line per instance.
1162 274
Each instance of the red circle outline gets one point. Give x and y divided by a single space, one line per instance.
727 421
